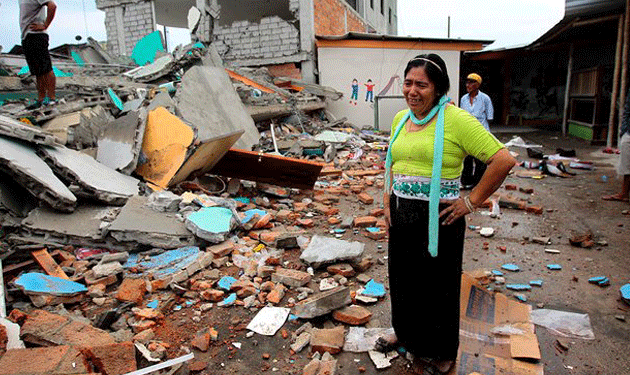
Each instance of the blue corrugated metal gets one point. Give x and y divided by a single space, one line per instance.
587 8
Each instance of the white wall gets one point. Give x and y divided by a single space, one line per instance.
339 66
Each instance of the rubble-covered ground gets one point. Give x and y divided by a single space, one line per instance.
125 259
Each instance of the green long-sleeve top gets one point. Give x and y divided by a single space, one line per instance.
412 152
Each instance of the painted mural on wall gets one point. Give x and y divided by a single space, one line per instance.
369 86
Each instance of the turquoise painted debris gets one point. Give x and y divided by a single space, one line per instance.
599 280
165 264
497 273
511 267
554 267
521 297
374 289
373 229
536 282
518 286
249 214
153 304
58 72
229 301
625 292
115 99
147 48
210 222
45 284
226 282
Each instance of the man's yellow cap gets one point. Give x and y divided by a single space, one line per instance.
474 77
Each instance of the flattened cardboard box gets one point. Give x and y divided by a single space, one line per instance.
487 353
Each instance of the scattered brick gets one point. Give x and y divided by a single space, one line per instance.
222 249
307 223
538 210
291 278
119 358
364 221
342 269
365 198
353 315
328 340
52 360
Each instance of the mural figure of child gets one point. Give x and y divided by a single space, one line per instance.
369 95
355 92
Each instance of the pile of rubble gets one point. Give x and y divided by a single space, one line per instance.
136 196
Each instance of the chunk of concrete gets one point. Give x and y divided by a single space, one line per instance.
328 340
20 161
168 263
213 224
324 250
88 177
138 223
207 99
16 129
120 144
323 303
39 283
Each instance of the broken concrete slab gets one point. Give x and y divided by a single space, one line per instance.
207 99
47 329
138 223
165 145
83 227
323 303
213 224
168 265
56 360
20 161
16 129
14 198
324 250
88 177
48 287
119 146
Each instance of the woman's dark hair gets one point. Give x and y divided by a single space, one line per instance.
439 76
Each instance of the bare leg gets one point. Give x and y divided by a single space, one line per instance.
51 83
41 87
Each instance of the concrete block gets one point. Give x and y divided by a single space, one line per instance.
323 303
291 278
324 250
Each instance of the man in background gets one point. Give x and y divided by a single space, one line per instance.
35 18
623 168
479 105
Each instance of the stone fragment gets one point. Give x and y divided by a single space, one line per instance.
301 341
290 277
201 341
329 340
131 290
322 303
324 250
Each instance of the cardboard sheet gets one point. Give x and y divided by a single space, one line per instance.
489 353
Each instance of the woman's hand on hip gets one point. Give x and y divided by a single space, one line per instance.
457 208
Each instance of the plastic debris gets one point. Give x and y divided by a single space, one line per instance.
536 283
373 289
554 267
599 280
518 286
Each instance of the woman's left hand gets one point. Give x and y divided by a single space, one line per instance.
456 209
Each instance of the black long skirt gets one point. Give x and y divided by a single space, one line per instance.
424 291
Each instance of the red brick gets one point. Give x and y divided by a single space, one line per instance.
364 221
365 198
113 359
327 340
307 223
538 210
283 215
197 366
221 249
131 290
264 222
376 212
342 269
526 190
354 315
213 295
511 187
378 235
201 341
52 360
276 295
334 220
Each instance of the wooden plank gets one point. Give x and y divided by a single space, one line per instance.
267 168
249 82
48 263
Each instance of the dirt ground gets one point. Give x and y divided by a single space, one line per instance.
572 205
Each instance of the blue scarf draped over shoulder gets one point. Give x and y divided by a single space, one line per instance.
436 172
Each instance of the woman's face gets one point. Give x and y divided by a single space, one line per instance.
419 91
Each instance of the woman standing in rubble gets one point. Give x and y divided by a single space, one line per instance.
425 212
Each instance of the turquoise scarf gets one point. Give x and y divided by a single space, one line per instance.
436 173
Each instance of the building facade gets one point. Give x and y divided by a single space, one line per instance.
251 32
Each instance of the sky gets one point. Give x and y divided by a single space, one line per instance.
507 22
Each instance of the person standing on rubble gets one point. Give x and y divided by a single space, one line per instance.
34 23
425 212
623 168
479 105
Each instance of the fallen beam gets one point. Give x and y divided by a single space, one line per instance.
267 168
48 264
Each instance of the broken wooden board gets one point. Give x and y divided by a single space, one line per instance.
206 156
267 168
48 264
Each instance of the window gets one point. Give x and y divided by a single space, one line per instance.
390 16
372 4
383 7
